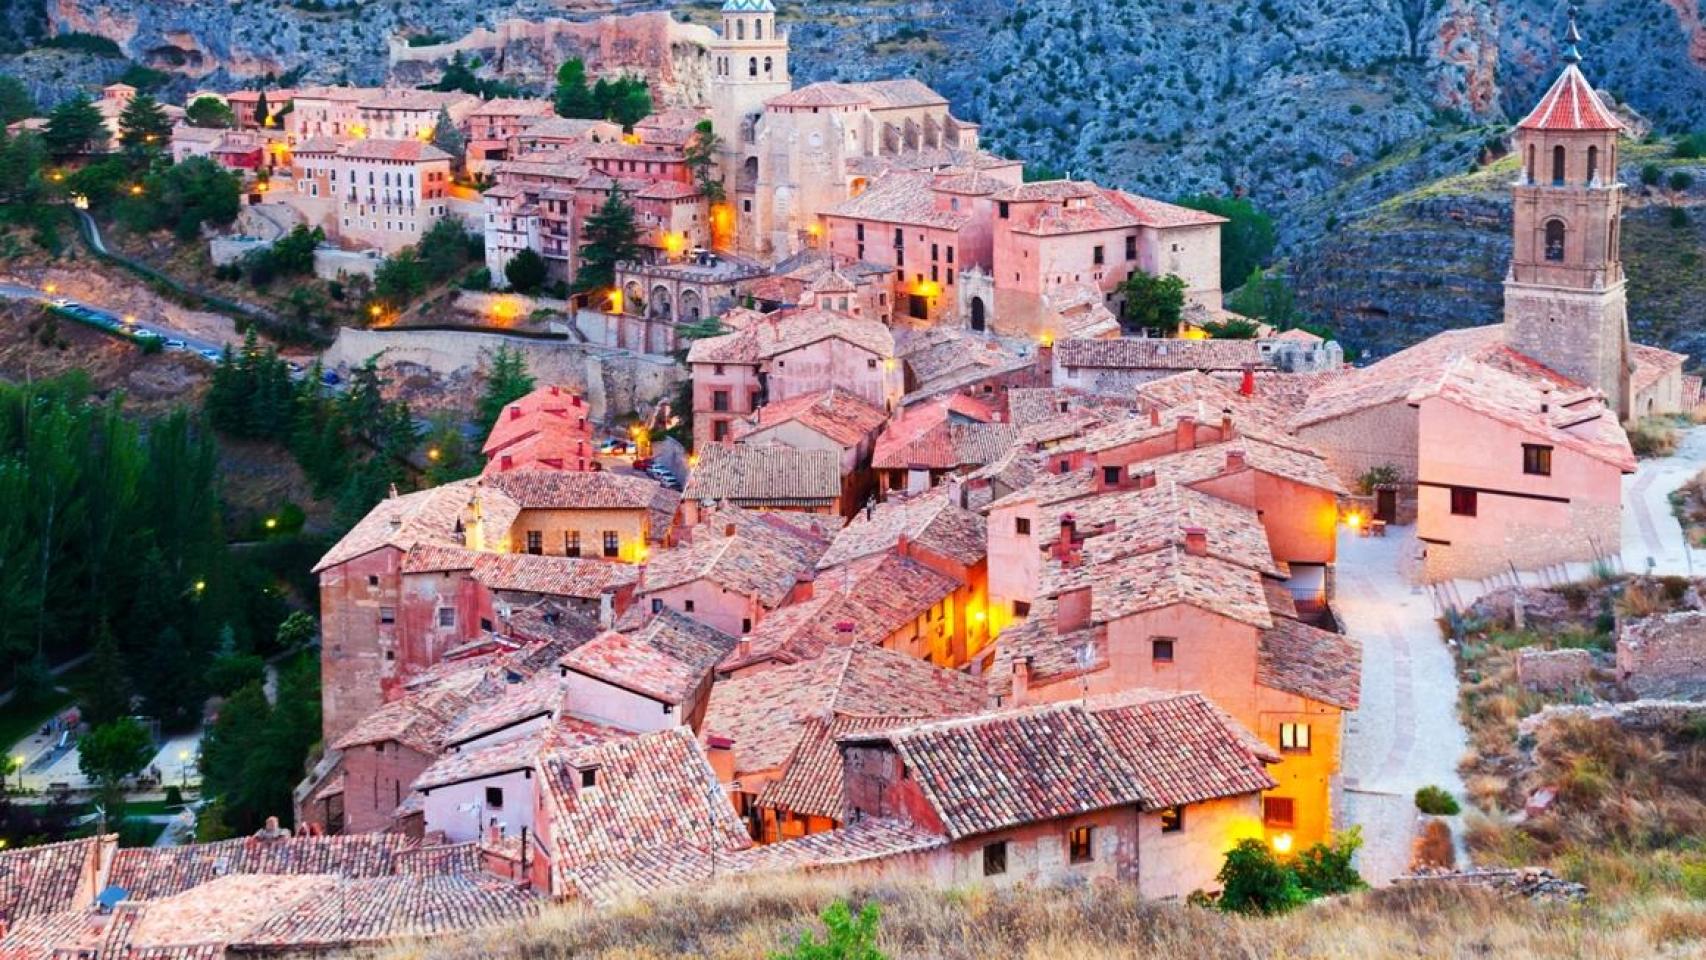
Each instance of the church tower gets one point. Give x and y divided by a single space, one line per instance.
749 66
1565 302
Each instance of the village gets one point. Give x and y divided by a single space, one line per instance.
879 542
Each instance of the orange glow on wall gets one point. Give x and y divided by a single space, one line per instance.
616 300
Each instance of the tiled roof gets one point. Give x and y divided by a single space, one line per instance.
546 404
1120 522
811 783
1211 460
1156 213
904 92
592 490
736 564
423 717
1571 104
1577 422
1194 388
369 910
761 712
513 107
509 756
821 94
844 418
901 198
860 603
667 659
580 577
541 695
803 536
932 436
1310 662
1651 363
930 520
1156 353
42 879
409 151
447 859
655 818
425 516
1130 583
149 873
784 331
1001 770
765 473
863 840
1393 378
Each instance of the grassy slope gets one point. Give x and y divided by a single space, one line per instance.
750 919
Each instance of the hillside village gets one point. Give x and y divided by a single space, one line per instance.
948 572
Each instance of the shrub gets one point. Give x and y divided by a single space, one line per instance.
1253 881
846 937
1694 878
1681 180
174 795
1325 869
1651 174
1384 475
1437 802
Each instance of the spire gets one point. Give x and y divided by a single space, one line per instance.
1572 37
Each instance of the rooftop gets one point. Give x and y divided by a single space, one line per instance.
930 520
667 659
842 417
766 474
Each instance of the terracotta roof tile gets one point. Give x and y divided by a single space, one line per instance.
1156 353
930 520
1310 662
844 418
901 198
408 151
584 578
50 877
1571 104
751 474
812 780
736 564
430 516
150 873
667 659
1574 421
864 840
593 490
358 911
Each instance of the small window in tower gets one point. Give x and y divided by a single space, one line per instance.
1555 240
1593 164
1558 166
752 67
758 29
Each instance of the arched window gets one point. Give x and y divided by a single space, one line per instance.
752 66
1555 240
1558 166
758 29
1530 174
767 66
740 29
1593 163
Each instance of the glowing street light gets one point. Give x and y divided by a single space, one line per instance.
272 523
200 585
432 453
136 189
18 764
1282 843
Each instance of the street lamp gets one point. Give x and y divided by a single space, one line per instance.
18 762
184 768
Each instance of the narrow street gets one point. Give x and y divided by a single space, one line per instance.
1650 530
1406 734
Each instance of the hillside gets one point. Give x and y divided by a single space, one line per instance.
741 921
1433 256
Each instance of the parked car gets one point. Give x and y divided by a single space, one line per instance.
643 463
176 344
210 354
330 378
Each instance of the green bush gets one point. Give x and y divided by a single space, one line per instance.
1253 881
846 937
1694 877
1435 801
1325 869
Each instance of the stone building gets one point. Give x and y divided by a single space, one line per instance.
380 194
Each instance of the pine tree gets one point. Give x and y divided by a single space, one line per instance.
263 112
209 112
702 158
572 98
611 237
75 126
144 125
448 138
104 695
506 382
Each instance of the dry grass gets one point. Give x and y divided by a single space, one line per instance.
1654 437
747 920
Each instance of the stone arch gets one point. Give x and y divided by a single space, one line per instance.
978 319
632 298
691 308
752 68
749 173
1556 234
662 304
1593 164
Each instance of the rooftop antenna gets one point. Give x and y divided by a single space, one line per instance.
1572 37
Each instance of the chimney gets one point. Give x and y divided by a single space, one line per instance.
721 754
743 648
514 411
494 833
1196 541
728 529
1155 416
903 546
1247 387
1072 610
805 585
1226 423
1021 680
1145 479
1234 461
556 391
1185 434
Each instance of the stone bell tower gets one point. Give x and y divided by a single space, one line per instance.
1565 303
749 65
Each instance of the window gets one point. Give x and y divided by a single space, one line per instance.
1079 847
935 251
1022 526
870 363
447 616
372 581
687 606
1555 240
745 625
1173 819
1558 166
1536 460
1131 248
1463 502
1100 255
535 542
657 604
495 798
950 257
1161 650
720 430
720 401
387 614
572 543
859 232
1593 163
1294 738
1279 811
589 777
1003 211
1021 608
995 858
1111 476
612 543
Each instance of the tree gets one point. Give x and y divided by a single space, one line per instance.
1152 303
114 750
572 98
611 237
1232 329
210 112
21 160
846 937
298 630
1253 881
186 195
1266 297
15 100
144 125
625 100
443 250
74 127
702 159
1681 180
506 382
105 694
401 278
525 271
263 112
1246 241
293 253
448 138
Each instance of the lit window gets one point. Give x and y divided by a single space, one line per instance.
1173 819
1079 845
1294 738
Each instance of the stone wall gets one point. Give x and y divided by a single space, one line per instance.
1665 655
1593 531
614 382
1553 670
1358 442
